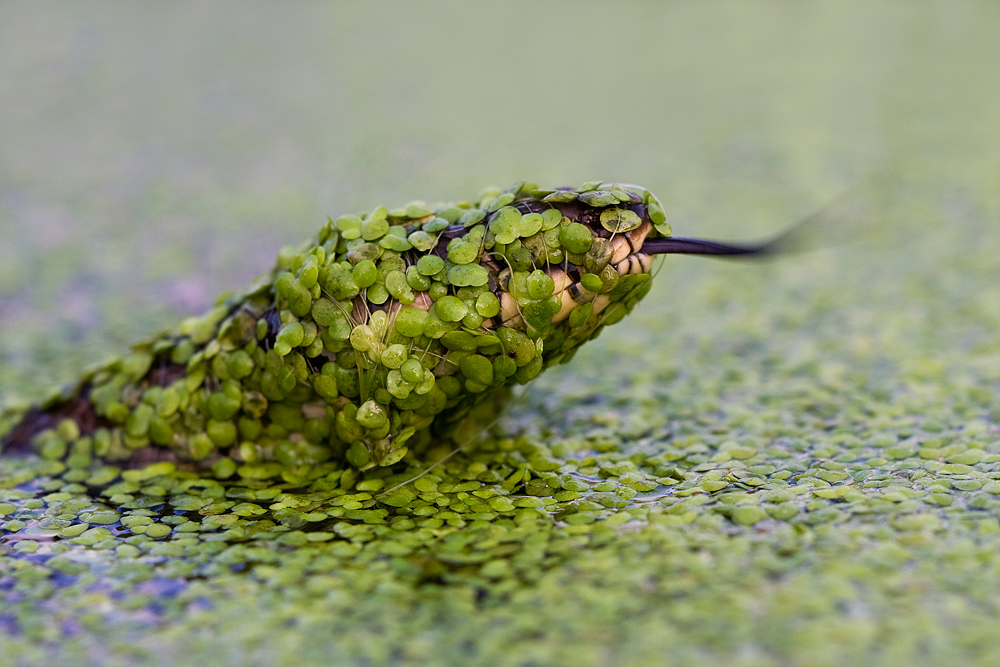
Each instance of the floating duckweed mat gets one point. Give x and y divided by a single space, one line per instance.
792 464
802 481
820 517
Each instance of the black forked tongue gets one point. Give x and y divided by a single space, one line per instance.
844 220
683 246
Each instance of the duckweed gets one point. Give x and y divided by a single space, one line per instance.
668 511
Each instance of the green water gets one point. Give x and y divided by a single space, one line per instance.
792 463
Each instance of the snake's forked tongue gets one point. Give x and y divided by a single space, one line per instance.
682 246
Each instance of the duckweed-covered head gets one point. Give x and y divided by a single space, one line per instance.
384 331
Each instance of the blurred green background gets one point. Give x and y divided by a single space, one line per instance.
154 155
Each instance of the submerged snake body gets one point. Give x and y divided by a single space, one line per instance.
384 331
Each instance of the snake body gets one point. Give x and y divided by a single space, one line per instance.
383 332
